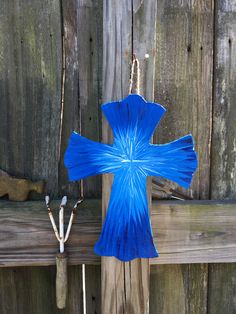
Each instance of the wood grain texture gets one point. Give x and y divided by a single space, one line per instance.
30 90
93 289
183 85
32 290
117 54
31 72
222 280
222 289
83 79
189 232
82 21
223 171
183 81
35 223
187 298
128 28
200 227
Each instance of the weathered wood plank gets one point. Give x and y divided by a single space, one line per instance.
117 54
34 216
189 232
93 288
82 22
125 286
222 288
183 84
137 272
189 295
83 79
183 81
31 64
223 173
31 290
222 280
30 90
201 229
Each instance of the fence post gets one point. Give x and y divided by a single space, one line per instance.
128 28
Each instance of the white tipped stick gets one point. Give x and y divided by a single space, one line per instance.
71 219
61 228
47 200
63 201
54 225
69 227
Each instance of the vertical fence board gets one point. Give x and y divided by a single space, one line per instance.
184 58
93 289
32 290
178 289
71 109
223 170
82 23
30 89
222 278
125 286
222 289
183 85
144 34
83 79
117 53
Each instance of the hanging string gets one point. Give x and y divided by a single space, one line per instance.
134 87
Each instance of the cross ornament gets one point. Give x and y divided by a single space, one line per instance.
126 232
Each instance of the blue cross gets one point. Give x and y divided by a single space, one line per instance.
126 232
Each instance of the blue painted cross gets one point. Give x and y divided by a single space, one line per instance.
126 232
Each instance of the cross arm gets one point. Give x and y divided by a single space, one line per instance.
84 158
176 161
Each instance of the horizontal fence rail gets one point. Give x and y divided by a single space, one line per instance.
184 232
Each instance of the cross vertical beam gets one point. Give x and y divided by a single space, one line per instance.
125 286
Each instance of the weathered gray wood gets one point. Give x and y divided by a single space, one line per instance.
83 79
82 22
187 298
222 279
194 232
32 290
189 232
34 221
222 288
125 286
183 85
71 109
32 34
30 90
224 110
117 54
93 288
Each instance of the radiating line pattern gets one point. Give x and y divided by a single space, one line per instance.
126 232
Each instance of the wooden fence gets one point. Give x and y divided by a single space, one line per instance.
191 70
